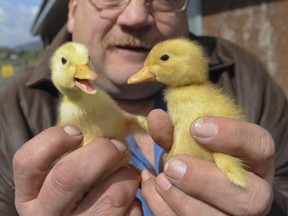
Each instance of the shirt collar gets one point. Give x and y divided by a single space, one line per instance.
217 60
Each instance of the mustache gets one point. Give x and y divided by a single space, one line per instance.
127 40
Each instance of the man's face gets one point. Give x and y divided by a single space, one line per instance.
119 41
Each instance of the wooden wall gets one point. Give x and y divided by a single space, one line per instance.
260 26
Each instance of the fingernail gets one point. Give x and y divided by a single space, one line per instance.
175 169
72 131
163 182
145 175
120 146
204 128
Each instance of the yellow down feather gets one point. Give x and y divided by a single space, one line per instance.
84 106
182 66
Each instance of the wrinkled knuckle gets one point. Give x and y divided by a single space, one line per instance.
197 179
106 207
268 146
102 207
118 197
67 176
20 161
260 200
266 203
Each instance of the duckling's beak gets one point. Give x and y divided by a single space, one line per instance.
143 75
84 77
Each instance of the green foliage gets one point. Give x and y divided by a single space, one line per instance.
24 59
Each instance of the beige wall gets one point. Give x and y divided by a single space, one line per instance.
259 26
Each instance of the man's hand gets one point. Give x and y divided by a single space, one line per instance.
65 188
190 186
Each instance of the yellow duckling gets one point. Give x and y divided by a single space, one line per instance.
182 66
91 110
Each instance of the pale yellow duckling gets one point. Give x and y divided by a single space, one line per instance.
182 66
91 110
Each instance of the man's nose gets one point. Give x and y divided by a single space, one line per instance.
136 14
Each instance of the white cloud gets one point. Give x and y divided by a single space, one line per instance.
15 23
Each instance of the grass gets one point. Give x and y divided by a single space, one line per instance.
14 64
24 59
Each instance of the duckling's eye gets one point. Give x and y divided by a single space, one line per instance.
63 60
164 57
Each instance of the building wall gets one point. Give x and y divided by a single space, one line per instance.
259 26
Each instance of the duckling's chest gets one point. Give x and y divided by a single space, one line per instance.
191 102
77 110
187 101
95 117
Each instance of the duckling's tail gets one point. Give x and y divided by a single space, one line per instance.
233 168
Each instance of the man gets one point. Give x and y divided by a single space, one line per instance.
119 34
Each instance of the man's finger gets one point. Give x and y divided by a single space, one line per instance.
74 174
161 128
155 202
33 160
115 196
202 180
248 141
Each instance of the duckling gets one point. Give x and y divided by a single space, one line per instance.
182 66
84 106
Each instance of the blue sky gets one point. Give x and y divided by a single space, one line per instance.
16 18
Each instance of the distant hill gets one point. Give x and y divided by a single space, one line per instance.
31 46
25 56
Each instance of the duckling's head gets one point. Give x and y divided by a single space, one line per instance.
174 62
70 70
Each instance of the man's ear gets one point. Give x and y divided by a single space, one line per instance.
71 15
